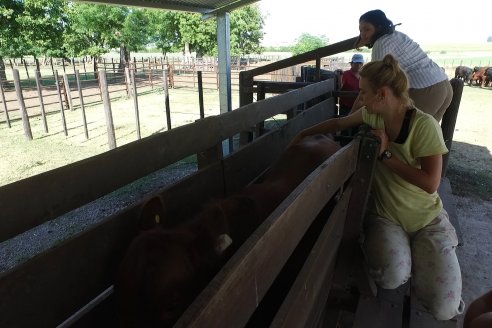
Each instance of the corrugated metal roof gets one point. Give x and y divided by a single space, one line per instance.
198 6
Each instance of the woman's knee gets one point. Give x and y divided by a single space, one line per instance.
390 277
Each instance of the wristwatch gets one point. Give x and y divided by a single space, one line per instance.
386 154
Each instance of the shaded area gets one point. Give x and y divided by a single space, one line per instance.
470 171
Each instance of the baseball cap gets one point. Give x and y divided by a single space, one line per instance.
357 58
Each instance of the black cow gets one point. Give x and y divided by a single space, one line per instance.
488 76
463 72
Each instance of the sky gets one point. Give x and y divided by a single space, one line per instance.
425 21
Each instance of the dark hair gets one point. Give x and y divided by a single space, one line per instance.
382 24
388 72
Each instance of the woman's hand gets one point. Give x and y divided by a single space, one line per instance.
383 137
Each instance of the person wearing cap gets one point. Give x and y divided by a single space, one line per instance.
430 89
350 82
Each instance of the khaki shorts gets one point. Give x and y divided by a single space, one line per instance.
433 100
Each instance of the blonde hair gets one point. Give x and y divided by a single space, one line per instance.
388 73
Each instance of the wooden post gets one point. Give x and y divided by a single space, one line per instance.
52 69
245 88
260 95
82 107
39 86
22 105
449 120
73 65
37 64
66 88
62 109
63 64
135 104
166 100
85 71
170 71
217 76
25 67
4 102
128 82
150 77
107 109
99 84
200 94
193 74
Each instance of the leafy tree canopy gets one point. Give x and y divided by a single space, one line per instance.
60 28
307 42
32 27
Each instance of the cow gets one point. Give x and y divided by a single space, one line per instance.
481 77
164 270
488 76
463 72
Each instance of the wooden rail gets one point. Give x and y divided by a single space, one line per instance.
246 78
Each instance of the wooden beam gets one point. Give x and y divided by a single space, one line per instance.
308 295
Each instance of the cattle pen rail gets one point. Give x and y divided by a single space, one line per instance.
69 284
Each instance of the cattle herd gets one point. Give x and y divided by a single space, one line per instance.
481 76
165 269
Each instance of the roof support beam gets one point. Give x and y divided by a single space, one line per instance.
224 47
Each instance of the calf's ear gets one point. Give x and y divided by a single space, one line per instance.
151 214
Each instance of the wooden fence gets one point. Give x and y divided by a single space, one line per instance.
34 89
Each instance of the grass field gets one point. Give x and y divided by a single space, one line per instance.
22 158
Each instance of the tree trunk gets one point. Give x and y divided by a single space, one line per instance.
187 49
3 75
124 56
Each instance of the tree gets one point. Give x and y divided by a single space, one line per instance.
164 30
246 30
95 29
134 34
197 34
43 23
307 42
32 27
9 31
